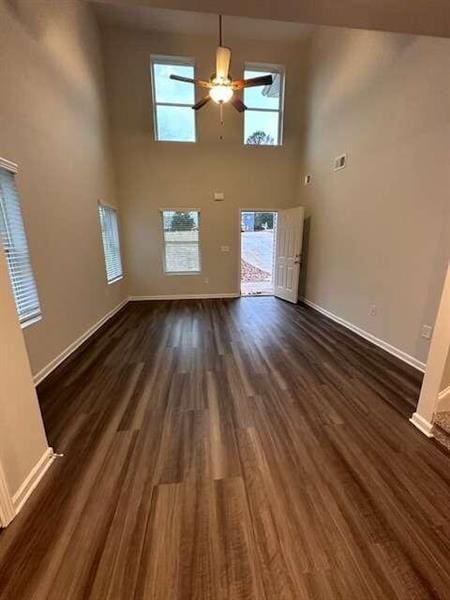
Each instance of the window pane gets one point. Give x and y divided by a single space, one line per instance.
175 123
261 128
263 96
182 258
181 241
167 90
178 222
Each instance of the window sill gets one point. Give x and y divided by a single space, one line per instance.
274 146
115 280
31 321
171 273
184 142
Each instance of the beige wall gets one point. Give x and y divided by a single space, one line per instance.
22 436
53 126
429 402
152 175
412 16
445 383
380 230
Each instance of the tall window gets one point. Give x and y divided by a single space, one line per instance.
181 241
263 121
174 118
111 243
13 237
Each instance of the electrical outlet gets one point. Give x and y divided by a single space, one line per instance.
206 280
427 331
224 248
373 310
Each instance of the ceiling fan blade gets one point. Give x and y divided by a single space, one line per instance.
238 104
201 102
199 82
223 59
254 82
184 79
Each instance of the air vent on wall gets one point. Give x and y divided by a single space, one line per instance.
340 162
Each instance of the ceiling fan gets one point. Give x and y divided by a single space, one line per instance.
221 86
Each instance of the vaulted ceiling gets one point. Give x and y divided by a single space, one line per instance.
148 18
426 17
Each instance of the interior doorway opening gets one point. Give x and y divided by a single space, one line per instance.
258 243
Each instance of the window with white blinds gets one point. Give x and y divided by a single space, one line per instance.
111 243
14 240
181 241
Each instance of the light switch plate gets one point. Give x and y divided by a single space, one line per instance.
427 330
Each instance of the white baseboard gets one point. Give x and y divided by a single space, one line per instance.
42 374
422 424
32 480
185 297
407 358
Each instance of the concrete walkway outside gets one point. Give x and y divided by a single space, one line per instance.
257 250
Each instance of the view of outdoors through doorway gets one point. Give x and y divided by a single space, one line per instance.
258 238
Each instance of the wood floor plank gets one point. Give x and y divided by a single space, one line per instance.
232 450
199 544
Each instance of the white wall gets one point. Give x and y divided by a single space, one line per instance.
52 123
152 175
380 228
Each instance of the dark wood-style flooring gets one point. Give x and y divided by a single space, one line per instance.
243 449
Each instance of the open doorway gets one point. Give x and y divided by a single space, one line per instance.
258 240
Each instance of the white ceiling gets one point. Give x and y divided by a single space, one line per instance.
148 18
426 17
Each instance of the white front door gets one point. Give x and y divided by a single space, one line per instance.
288 253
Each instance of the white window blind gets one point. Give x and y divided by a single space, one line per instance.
181 241
13 237
111 243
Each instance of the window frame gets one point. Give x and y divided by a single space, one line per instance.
104 205
185 61
163 242
268 68
36 315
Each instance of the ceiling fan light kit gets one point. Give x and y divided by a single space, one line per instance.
221 86
221 93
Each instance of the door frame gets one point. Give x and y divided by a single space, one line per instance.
241 210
